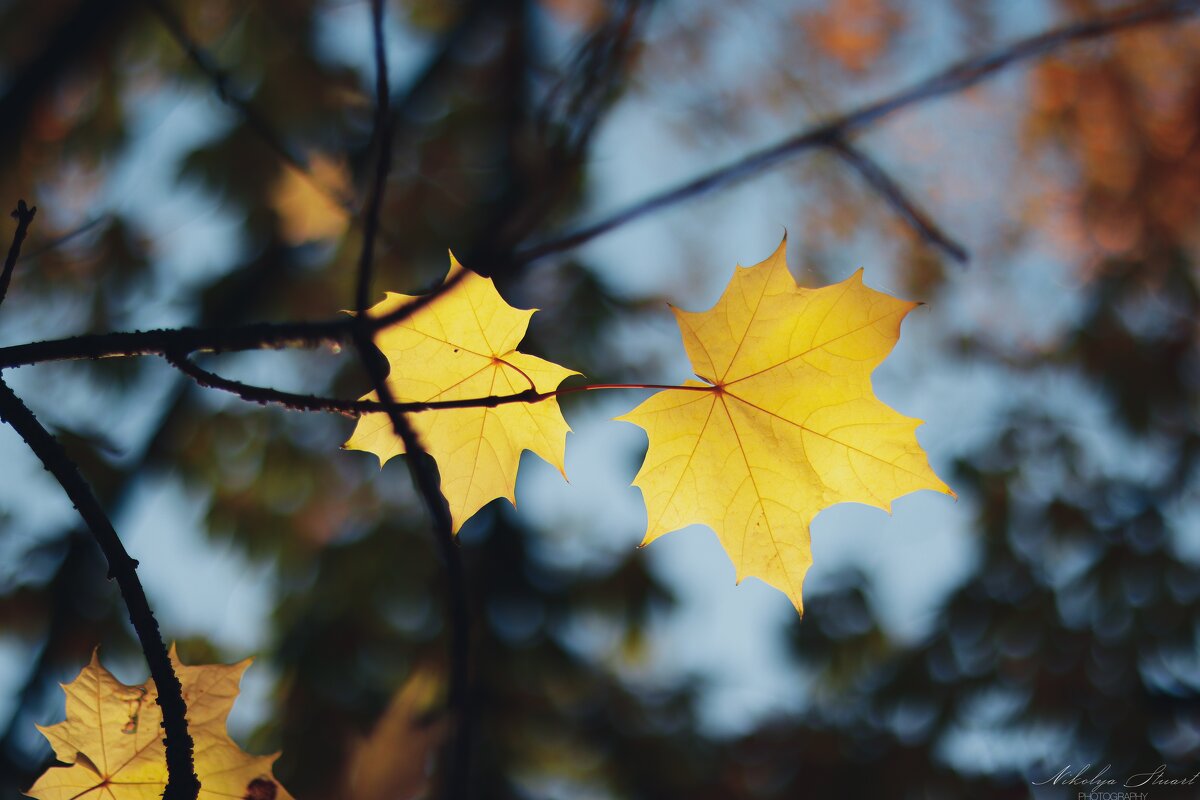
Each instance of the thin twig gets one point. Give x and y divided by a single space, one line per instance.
894 194
455 763
265 396
24 216
381 134
63 238
182 783
351 408
955 78
451 44
562 125
263 129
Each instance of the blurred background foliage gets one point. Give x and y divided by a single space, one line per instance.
1071 635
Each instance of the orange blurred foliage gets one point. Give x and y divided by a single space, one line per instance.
855 33
1126 118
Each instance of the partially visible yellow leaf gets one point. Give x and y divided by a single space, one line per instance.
393 762
463 346
113 739
306 205
784 424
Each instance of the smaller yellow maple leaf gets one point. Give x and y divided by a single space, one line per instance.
113 740
784 424
463 346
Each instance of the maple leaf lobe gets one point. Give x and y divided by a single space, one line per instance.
786 423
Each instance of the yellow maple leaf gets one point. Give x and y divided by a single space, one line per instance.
785 423
113 740
462 346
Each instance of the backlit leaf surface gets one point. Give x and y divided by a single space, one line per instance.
784 424
463 346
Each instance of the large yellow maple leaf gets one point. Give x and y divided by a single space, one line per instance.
113 740
785 423
462 346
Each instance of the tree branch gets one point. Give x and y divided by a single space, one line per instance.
267 133
24 217
356 408
350 408
254 336
381 134
62 630
894 194
77 231
955 78
263 129
421 83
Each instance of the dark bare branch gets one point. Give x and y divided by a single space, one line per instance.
259 124
425 80
24 215
894 194
351 408
261 127
63 238
381 135
955 78
455 760
256 336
